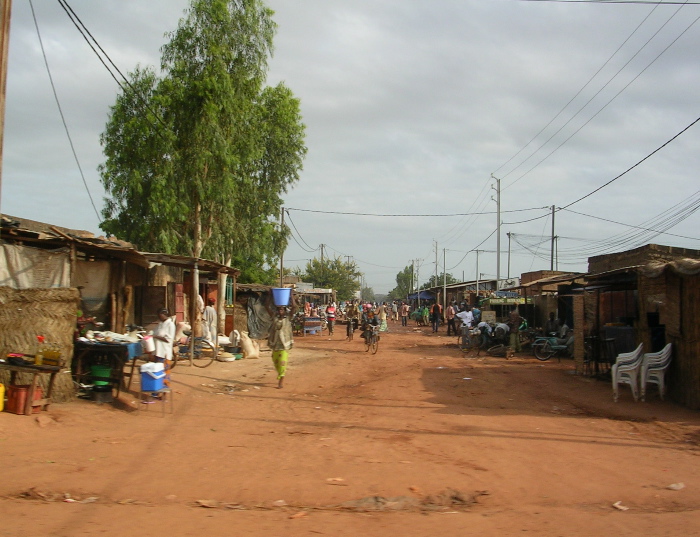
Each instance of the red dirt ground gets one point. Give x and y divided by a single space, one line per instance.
418 439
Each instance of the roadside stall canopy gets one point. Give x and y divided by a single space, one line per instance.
422 295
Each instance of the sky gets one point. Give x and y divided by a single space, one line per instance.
417 114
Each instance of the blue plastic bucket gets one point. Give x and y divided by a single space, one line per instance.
281 295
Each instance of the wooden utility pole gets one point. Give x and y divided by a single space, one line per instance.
5 11
282 252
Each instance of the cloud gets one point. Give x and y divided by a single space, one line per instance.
409 109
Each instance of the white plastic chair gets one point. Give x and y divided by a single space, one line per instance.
653 371
625 370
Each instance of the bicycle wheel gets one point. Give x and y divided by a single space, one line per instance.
465 343
204 353
179 354
543 350
375 344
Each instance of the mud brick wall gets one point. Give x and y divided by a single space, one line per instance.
639 256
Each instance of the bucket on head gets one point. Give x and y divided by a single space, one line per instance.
281 295
101 375
148 344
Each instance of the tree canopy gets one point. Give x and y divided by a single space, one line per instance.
342 276
404 280
433 282
197 159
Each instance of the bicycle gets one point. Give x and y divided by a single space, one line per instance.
470 339
205 352
546 347
371 336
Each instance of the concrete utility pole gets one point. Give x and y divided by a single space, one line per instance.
5 11
508 255
436 263
413 274
498 229
551 263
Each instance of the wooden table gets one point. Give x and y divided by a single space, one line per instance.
116 355
34 370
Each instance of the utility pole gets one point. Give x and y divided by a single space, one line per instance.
551 263
5 12
413 273
498 229
444 281
477 277
436 263
508 255
282 252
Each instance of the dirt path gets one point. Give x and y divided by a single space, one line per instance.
418 439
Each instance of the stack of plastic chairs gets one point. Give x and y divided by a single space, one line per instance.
626 370
653 370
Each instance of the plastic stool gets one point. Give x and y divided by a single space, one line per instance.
164 395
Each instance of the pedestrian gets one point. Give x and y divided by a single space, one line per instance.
552 325
163 338
514 320
330 318
383 326
450 316
435 316
405 310
395 311
466 317
280 341
209 328
476 313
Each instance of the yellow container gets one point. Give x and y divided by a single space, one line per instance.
2 397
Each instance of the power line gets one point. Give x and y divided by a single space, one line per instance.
631 167
572 100
410 215
606 104
615 2
60 111
302 238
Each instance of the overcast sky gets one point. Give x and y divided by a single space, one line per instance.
411 109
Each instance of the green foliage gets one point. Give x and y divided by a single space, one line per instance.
367 294
197 161
334 274
449 279
403 285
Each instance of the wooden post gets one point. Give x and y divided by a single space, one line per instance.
5 11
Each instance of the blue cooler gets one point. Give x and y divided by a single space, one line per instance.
152 377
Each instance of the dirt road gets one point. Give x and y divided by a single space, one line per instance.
416 440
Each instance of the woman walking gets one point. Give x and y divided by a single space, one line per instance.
280 342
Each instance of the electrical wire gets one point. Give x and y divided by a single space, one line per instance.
82 29
602 107
408 215
572 100
299 234
60 111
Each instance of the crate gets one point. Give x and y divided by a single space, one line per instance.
17 397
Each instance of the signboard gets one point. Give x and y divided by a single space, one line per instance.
488 316
508 283
509 301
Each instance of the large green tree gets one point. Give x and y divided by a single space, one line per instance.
441 278
404 280
197 159
342 276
